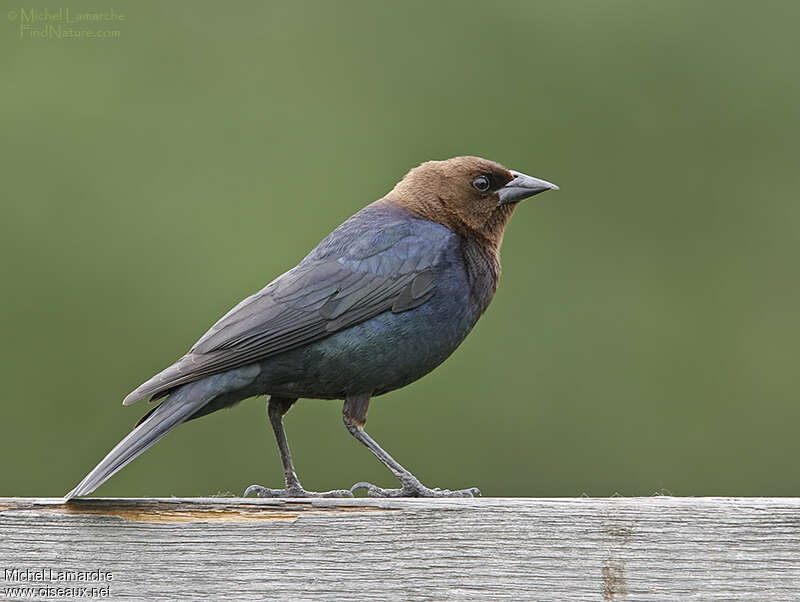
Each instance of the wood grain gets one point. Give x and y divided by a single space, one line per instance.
659 548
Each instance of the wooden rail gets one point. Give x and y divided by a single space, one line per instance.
658 548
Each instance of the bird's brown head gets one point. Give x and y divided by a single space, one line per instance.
472 196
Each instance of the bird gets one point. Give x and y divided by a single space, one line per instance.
380 302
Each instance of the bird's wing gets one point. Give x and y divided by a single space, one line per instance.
381 271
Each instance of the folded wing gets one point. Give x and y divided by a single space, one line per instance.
391 270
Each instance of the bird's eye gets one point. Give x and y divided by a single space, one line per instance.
481 183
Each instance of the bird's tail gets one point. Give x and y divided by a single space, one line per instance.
179 407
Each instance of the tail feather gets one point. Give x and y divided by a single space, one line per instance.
169 378
184 403
177 408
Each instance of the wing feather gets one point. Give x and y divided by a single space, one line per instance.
315 299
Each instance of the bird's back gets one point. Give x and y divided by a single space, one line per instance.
392 349
386 292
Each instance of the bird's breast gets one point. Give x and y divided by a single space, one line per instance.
392 349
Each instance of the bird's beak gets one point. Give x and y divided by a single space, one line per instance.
521 187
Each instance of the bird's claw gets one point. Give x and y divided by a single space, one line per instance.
413 489
294 492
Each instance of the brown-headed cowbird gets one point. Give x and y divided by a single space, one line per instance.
380 302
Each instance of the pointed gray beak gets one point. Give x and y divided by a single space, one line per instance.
521 187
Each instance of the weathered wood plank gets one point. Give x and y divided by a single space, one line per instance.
658 548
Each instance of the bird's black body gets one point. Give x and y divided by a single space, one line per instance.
419 330
380 302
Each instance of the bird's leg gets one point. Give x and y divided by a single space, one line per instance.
354 414
276 408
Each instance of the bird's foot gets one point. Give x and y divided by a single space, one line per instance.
413 488
294 492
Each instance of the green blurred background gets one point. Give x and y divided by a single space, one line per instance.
645 333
